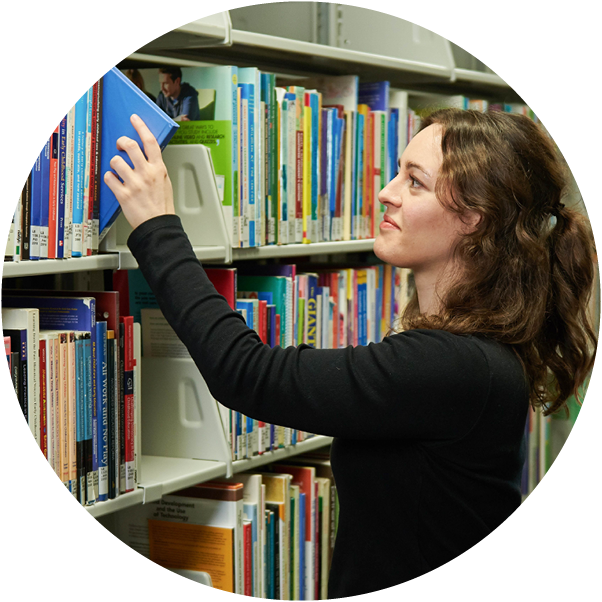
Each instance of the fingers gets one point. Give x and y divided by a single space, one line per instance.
115 186
132 148
124 171
151 146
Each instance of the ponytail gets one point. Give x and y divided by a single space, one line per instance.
568 341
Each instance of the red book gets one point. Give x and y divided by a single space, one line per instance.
277 327
128 382
52 193
247 533
224 281
263 321
317 543
43 399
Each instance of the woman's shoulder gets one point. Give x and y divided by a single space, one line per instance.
476 349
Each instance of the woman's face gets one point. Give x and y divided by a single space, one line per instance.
417 232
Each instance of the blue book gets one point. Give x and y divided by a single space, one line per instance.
61 189
120 99
359 186
301 593
362 301
102 412
36 200
44 199
248 306
374 94
79 172
271 517
244 180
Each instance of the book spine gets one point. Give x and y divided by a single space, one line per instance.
111 413
91 162
45 199
129 403
26 218
97 174
72 414
80 417
70 183
79 170
43 399
52 193
88 184
102 411
63 408
253 217
122 407
244 210
61 189
94 405
34 210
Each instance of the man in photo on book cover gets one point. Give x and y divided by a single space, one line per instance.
178 99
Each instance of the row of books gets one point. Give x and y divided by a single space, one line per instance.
268 535
286 305
300 161
75 367
65 208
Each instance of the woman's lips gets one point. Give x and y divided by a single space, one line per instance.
388 224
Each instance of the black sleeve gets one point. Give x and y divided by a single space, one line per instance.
418 384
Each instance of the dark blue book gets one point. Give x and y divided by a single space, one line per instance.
362 302
44 199
18 343
102 412
120 99
36 199
374 94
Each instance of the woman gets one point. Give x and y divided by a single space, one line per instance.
428 424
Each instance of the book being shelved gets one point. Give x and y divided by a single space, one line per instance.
65 207
74 379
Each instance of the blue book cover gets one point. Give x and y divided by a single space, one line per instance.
61 189
79 171
393 143
272 325
44 199
36 200
120 99
248 306
362 300
301 593
374 94
359 184
102 412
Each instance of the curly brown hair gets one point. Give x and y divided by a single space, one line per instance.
529 265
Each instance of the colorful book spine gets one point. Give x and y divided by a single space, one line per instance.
44 199
79 174
129 451
34 209
53 193
61 190
102 412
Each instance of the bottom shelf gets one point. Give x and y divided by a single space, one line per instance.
165 475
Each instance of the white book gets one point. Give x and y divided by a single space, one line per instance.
29 318
137 404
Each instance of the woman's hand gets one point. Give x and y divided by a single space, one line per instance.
146 190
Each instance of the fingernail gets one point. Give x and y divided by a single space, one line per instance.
134 116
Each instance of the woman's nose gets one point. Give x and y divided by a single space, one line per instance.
389 194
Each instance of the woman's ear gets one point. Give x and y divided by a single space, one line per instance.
471 220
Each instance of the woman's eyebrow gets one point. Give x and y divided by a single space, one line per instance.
410 164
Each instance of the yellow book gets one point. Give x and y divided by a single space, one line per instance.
194 547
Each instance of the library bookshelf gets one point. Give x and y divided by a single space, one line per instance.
213 41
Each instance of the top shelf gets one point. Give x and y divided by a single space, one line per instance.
299 58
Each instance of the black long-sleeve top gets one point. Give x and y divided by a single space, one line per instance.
428 426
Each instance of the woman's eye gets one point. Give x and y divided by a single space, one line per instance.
414 183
